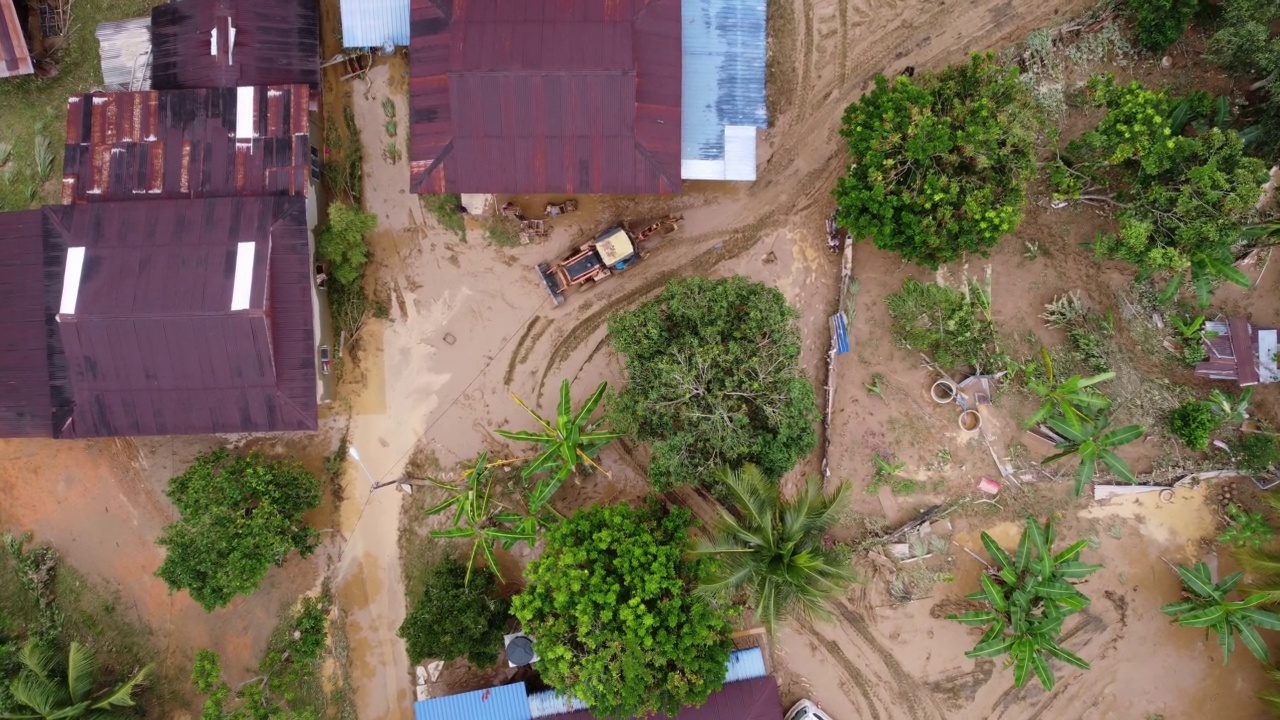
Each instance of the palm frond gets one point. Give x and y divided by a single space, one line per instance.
81 669
123 695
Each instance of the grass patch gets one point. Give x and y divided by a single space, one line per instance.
503 232
32 106
952 327
444 209
342 169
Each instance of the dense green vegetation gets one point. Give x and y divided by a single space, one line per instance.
952 327
1206 606
939 164
479 515
1193 422
455 618
1159 23
713 378
612 602
239 516
342 242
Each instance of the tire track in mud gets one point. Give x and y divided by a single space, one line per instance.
906 683
515 352
850 671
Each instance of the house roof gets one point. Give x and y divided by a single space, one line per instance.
124 47
15 56
373 23
545 96
755 699
180 317
187 144
230 43
505 702
24 367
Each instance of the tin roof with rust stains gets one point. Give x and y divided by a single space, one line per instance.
15 56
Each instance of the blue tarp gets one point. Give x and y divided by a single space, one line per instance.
840 331
505 702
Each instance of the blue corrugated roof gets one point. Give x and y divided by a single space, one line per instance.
506 702
723 73
371 23
840 329
745 665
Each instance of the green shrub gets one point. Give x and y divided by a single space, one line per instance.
453 619
342 242
714 378
939 164
1087 347
1246 529
1159 23
1193 422
613 605
949 326
1255 452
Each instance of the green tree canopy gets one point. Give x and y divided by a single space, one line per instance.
939 164
239 515
615 618
714 378
454 618
342 241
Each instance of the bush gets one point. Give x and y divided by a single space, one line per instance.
453 619
1254 452
714 378
1087 347
938 165
949 326
617 621
239 516
1193 422
342 242
1159 23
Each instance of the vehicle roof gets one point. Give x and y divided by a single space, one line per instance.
615 246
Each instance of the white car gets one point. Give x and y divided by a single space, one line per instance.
806 710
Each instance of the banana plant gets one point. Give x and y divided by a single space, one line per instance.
1233 411
1091 442
1074 399
1206 606
479 517
573 439
1028 596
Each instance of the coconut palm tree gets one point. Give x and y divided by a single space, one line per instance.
44 693
772 549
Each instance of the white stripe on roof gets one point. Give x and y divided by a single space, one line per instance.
71 281
245 97
242 287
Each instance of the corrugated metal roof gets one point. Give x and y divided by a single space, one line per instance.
15 56
184 144
506 702
150 344
125 48
755 699
723 83
371 23
231 43
545 96
25 405
745 664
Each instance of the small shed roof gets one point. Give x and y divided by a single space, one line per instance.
544 96
15 55
125 49
25 405
180 317
187 144
374 23
505 702
231 43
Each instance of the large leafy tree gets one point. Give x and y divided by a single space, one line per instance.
772 548
44 689
573 439
239 515
1028 596
1205 605
615 616
453 618
939 164
342 242
714 379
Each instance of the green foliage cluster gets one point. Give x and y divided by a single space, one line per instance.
714 378
454 618
1254 452
952 327
1093 441
1246 529
445 210
939 164
612 602
1245 45
1159 23
45 688
1183 200
240 514
288 685
479 516
1205 605
342 242
773 549
1027 598
1086 344
1193 422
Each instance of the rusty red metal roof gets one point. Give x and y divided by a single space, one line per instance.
15 55
545 96
755 699
187 144
231 43
172 327
25 404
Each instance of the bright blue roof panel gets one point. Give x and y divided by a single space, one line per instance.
723 73
745 665
505 702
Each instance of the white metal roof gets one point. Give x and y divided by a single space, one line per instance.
372 23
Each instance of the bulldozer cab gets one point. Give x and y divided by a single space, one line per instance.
614 246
